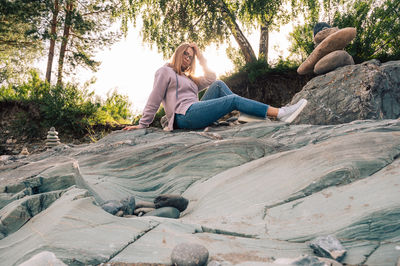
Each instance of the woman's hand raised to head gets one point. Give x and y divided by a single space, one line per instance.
132 127
198 52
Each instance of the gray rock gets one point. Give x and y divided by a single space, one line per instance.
223 123
143 210
320 26
167 212
43 258
332 61
260 192
308 261
356 92
125 206
112 206
145 204
168 200
329 247
232 119
128 205
189 254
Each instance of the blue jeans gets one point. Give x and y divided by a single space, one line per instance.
218 101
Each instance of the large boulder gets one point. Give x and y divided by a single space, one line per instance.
370 90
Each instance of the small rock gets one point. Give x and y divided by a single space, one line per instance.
43 258
128 205
223 123
119 214
168 200
320 26
189 254
332 61
333 42
9 141
143 210
112 206
329 247
145 204
24 151
167 212
320 36
232 119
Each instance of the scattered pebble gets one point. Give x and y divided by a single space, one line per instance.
189 254
167 212
169 200
328 247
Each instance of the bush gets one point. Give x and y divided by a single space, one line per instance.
67 107
260 67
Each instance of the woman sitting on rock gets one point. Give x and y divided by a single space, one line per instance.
177 89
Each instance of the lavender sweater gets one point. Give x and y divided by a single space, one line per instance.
175 99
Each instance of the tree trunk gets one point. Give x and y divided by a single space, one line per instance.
67 26
230 20
264 38
53 37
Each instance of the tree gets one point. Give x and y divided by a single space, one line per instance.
20 44
85 27
168 23
268 14
53 37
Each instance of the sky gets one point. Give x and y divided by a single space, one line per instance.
129 65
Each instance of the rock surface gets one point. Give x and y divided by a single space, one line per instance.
257 194
370 90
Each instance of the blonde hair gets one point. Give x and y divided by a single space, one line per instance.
176 61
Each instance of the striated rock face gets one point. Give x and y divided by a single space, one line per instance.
370 90
254 194
257 194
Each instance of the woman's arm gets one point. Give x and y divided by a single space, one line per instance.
209 75
161 81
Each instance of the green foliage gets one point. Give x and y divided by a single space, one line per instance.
377 24
260 68
236 56
302 42
157 118
115 109
67 107
19 43
378 29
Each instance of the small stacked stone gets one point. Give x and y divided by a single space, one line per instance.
328 53
52 138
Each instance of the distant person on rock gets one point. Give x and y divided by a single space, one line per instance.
176 87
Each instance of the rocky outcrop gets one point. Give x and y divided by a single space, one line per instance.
370 90
258 194
262 193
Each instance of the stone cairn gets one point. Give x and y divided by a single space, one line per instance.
52 138
328 53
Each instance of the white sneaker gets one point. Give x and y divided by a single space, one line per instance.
245 118
289 113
